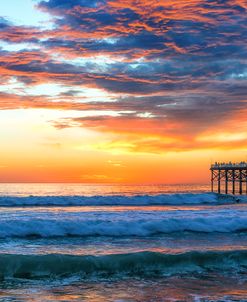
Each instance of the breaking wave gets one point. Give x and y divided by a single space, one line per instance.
133 264
164 199
140 227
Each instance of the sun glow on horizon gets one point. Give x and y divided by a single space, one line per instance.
121 92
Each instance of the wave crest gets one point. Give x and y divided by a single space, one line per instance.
134 264
140 227
163 199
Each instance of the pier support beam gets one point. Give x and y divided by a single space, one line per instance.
240 183
212 181
219 175
246 182
233 182
226 181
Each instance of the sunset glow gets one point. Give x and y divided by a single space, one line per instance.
131 91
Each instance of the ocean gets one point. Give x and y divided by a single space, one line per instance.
121 243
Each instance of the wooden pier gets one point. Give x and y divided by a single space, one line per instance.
229 178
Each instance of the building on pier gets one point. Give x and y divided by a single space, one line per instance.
229 177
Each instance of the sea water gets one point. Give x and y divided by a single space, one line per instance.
100 243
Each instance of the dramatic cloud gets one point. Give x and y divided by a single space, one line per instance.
170 69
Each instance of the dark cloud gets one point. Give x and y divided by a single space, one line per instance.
3 23
183 62
65 4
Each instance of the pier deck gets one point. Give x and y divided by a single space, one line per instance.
231 176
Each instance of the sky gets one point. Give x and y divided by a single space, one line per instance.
130 91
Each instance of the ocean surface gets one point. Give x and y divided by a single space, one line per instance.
100 243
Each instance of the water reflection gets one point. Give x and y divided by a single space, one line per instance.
96 189
210 287
167 243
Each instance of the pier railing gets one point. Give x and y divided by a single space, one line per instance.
229 165
231 176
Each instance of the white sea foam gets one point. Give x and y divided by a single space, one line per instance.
118 227
164 199
98 221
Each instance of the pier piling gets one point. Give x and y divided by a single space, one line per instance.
229 174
